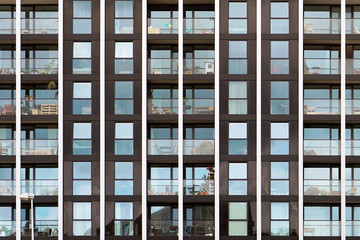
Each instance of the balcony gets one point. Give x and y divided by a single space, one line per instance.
162 147
162 26
191 147
40 106
199 187
45 228
7 107
322 187
162 106
199 66
352 26
322 147
199 228
352 187
30 26
353 66
199 26
191 106
321 26
29 66
199 147
352 147
7 228
38 187
39 147
163 227
163 66
352 106
7 188
162 187
199 106
352 228
313 228
321 66
321 106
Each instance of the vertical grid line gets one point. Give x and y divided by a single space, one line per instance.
18 119
144 121
343 120
180 120
301 120
60 118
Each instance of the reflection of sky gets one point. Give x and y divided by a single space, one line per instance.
124 130
124 170
82 170
46 213
5 213
124 210
82 130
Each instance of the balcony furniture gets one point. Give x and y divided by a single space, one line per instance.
43 31
44 152
209 68
49 109
355 29
9 109
157 72
310 109
152 30
309 28
35 111
203 110
27 231
188 72
352 192
316 70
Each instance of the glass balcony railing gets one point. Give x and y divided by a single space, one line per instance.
321 66
321 26
7 147
199 228
7 66
39 66
163 66
44 228
162 187
162 147
199 66
40 187
39 147
199 147
7 26
162 26
163 106
199 25
352 147
199 106
7 107
199 187
40 106
163 227
322 187
353 228
321 106
353 66
352 187
322 147
352 26
39 26
321 228
7 188
7 228
352 106
191 106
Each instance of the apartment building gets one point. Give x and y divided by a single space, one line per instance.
188 119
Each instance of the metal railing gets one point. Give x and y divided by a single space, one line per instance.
45 228
162 187
322 187
322 147
39 66
199 106
352 228
40 187
321 106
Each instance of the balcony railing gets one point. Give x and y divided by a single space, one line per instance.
321 26
321 66
7 188
191 106
352 147
7 26
7 107
352 187
39 147
321 228
163 106
199 106
39 26
199 66
321 106
199 147
322 187
353 228
199 187
199 228
322 147
163 227
162 26
7 147
40 106
162 187
163 66
39 66
45 228
199 25
40 187
162 147
7 228
352 26
353 66
7 66
352 106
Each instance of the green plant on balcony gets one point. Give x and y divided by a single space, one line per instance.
205 148
50 68
313 191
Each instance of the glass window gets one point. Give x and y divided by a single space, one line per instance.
279 139
237 138
124 225
124 178
237 97
124 23
237 178
279 178
124 143
82 58
124 58
82 219
124 94
82 17
237 57
280 98
238 219
280 219
82 98
237 17
82 178
279 18
82 139
279 62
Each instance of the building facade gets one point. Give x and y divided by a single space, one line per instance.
236 119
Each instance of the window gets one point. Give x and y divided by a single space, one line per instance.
237 17
237 138
352 220
46 218
123 58
238 97
279 139
280 219
124 94
82 58
238 219
7 228
164 221
280 98
82 139
322 181
124 144
163 181
82 98
322 140
82 178
327 216
279 17
124 225
82 219
124 23
237 178
279 178
82 17
124 178
237 57
279 62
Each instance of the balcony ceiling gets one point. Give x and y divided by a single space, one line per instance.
185 1
30 1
